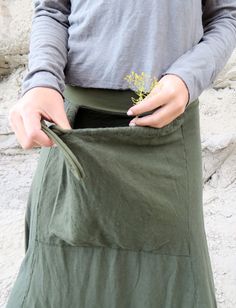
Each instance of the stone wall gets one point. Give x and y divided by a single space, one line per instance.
218 134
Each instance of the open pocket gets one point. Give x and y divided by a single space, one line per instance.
119 187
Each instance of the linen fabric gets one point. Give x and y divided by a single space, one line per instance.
114 216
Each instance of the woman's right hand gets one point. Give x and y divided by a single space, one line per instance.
25 116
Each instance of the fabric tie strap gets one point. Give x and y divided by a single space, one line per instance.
71 159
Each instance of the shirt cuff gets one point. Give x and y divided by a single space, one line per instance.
41 79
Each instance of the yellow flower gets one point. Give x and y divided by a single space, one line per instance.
141 84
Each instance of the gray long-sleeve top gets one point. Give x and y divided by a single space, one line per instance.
97 43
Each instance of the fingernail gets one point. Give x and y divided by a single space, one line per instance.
132 124
130 112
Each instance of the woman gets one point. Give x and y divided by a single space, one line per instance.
114 216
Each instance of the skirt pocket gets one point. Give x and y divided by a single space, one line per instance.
118 187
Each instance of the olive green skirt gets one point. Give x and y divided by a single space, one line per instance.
114 216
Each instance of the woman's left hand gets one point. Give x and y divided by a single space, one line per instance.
170 94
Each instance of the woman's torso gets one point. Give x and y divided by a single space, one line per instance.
108 39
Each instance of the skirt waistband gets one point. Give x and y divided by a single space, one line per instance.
106 99
117 100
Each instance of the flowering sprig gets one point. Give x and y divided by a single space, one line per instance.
141 84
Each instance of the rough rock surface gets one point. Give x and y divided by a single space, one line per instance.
17 166
227 77
15 23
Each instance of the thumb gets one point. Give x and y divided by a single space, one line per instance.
60 118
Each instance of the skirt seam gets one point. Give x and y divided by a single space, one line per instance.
35 246
38 210
106 247
31 274
188 200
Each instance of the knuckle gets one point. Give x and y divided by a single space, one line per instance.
26 111
160 125
12 113
32 134
135 110
26 145
172 91
12 116
48 143
180 107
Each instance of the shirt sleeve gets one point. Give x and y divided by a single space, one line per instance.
47 56
199 66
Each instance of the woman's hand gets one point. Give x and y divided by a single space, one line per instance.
25 116
170 94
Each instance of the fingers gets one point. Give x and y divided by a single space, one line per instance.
36 104
27 129
159 118
56 112
16 123
153 100
61 119
169 98
33 132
